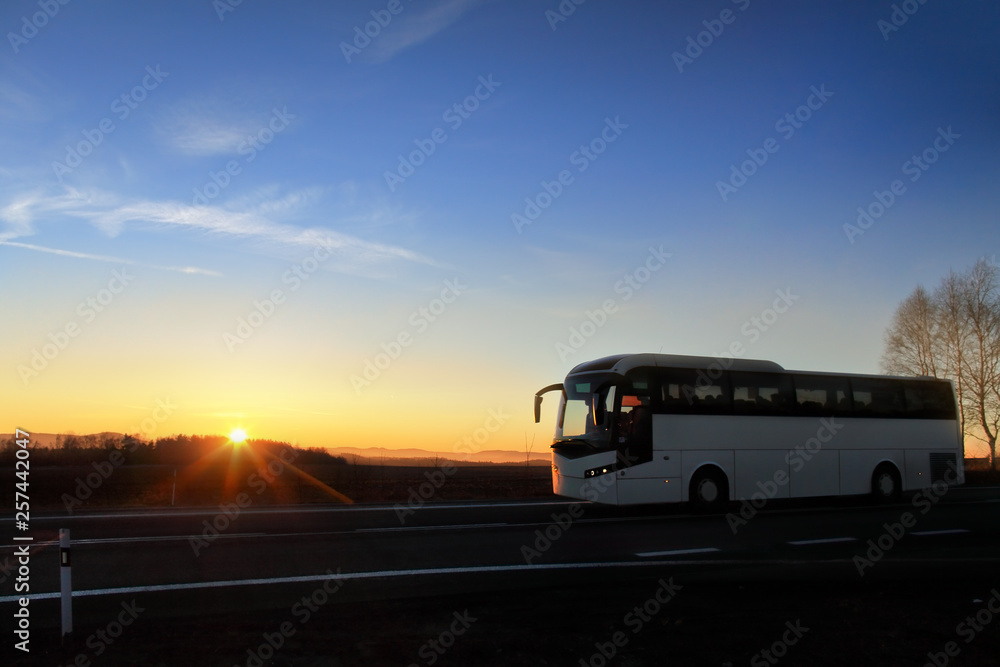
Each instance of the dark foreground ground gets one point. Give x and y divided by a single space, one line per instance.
718 617
63 488
704 623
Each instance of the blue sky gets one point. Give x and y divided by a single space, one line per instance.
207 90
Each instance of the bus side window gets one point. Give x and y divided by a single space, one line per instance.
761 393
821 396
878 397
929 400
692 391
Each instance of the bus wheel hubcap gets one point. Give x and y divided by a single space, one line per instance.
708 491
886 485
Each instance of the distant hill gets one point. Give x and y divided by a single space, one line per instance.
412 456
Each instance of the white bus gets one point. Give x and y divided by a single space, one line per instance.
657 428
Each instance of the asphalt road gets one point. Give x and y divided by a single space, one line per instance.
210 561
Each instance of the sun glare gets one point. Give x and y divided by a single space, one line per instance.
238 435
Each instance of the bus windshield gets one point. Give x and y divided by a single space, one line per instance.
577 421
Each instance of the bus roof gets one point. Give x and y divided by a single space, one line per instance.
623 363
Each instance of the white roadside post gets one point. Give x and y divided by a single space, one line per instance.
66 582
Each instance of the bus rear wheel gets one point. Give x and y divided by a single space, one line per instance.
709 490
887 487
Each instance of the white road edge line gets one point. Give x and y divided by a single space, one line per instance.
379 574
149 538
825 540
208 511
128 590
946 531
676 552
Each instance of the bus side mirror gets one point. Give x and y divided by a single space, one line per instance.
538 398
598 409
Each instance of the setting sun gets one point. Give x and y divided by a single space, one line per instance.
237 435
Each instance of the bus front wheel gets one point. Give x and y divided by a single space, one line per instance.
709 490
887 487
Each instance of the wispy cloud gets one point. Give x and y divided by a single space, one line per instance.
18 216
206 138
27 97
18 104
110 260
269 200
417 27
206 127
255 223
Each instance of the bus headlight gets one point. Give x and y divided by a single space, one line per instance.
595 472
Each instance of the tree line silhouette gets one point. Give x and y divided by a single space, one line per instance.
175 450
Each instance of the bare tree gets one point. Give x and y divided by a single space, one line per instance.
911 342
981 363
955 334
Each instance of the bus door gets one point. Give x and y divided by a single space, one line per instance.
634 430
